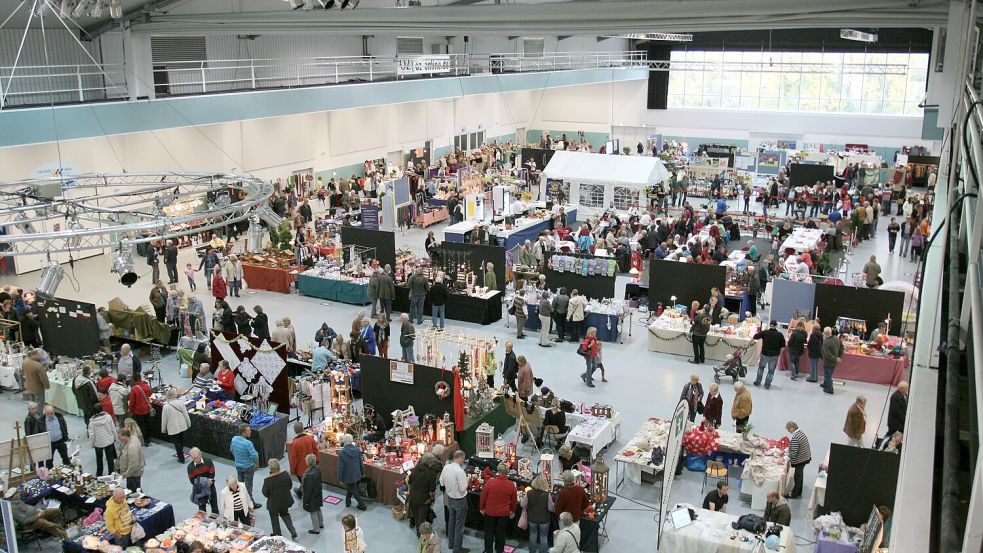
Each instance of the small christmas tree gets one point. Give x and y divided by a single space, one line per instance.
462 365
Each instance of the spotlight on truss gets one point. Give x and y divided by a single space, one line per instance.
75 241
123 264
23 225
80 8
96 10
255 235
50 279
115 9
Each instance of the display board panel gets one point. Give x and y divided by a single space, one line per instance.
806 174
383 241
689 282
477 255
380 391
789 297
593 286
869 304
68 327
858 478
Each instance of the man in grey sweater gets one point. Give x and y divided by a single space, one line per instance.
560 305
545 317
832 353
418 295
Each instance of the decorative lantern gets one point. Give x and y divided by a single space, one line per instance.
546 466
603 411
500 452
510 454
483 439
525 468
599 482
447 427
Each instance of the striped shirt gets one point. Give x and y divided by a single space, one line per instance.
798 449
237 502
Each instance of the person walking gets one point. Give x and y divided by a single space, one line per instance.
698 334
525 378
545 318
893 229
832 352
170 261
276 490
237 504
897 409
418 295
799 455
102 433
35 378
576 312
407 335
387 291
208 263
119 393
438 301
796 346
300 447
714 408
201 474
246 458
312 494
422 482
354 538
454 482
497 505
907 227
382 331
589 350
372 290
815 348
260 323
519 310
153 260
693 395
856 422
350 471
538 506
174 421
510 367
772 343
54 425
740 411
429 541
131 462
233 275
561 305
139 405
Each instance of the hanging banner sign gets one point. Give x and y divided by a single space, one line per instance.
418 65
370 216
674 445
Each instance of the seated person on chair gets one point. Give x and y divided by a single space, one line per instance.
375 426
716 500
554 417
568 460
777 510
30 518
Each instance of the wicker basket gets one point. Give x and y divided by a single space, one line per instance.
399 513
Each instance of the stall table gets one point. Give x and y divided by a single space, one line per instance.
802 240
528 230
484 309
153 525
335 290
718 347
608 326
596 432
498 418
274 279
143 327
857 366
61 397
214 436
636 457
710 533
386 480
427 218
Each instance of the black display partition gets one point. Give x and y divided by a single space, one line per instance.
478 254
383 241
689 282
806 174
593 286
542 156
68 327
869 304
858 478
387 396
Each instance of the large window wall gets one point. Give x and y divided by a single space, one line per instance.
891 84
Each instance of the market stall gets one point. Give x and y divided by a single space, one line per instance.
669 333
431 215
712 531
138 325
334 286
527 227
881 362
803 240
636 457
596 432
607 316
266 277
598 180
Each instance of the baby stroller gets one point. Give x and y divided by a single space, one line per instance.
732 367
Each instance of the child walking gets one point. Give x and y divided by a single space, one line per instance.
190 272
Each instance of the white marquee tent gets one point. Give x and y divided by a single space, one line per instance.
594 181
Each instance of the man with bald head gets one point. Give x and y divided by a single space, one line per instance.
119 518
897 409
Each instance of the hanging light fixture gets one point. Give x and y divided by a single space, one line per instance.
80 8
66 8
255 235
115 9
23 224
50 279
75 241
96 10
123 264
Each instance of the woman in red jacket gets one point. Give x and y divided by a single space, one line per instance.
219 287
226 379
591 347
139 405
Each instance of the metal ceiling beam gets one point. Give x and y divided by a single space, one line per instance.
130 16
570 18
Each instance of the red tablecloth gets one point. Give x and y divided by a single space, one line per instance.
268 278
862 368
425 219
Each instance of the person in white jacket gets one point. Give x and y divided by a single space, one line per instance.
576 312
233 274
236 505
567 538
174 421
102 432
119 394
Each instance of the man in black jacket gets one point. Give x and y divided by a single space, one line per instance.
438 301
510 367
772 343
170 261
897 410
560 305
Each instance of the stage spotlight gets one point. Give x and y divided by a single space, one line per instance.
50 279
76 240
80 8
256 235
115 9
329 5
96 10
24 227
123 264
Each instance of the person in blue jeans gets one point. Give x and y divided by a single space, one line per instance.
815 348
350 471
796 347
832 353
438 301
418 295
407 335
246 458
538 504
772 343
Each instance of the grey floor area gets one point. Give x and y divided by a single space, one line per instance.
641 384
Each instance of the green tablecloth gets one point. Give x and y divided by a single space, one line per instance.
497 418
335 290
141 325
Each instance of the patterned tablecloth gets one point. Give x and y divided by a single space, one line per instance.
596 432
635 458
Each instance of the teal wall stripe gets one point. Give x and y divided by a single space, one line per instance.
34 125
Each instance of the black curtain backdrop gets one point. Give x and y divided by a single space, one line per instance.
689 282
869 304
860 478
806 174
658 83
383 241
74 333
592 286
541 156
478 254
281 385
387 396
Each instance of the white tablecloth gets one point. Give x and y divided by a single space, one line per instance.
711 532
61 397
802 239
770 472
636 457
7 378
596 432
717 348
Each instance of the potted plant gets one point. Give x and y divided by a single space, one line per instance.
626 150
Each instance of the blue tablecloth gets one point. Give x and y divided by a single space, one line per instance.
596 320
153 525
334 290
437 201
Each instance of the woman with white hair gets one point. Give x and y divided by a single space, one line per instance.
174 421
312 494
276 489
236 503
567 538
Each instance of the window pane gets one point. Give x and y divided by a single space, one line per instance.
789 104
873 87
771 84
895 88
810 85
712 83
809 104
693 101
694 82
852 87
750 84
592 195
749 102
624 197
871 107
675 101
850 106
768 103
792 57
677 82
894 108
790 85
732 84
711 101
730 101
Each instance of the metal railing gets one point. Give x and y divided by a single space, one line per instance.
42 85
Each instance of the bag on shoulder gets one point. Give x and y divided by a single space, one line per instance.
583 350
